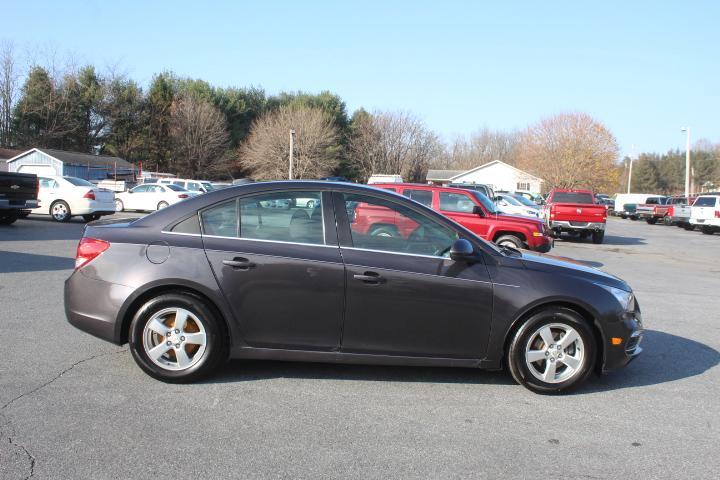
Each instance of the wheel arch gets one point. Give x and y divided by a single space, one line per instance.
584 311
133 303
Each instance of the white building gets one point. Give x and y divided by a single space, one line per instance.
499 175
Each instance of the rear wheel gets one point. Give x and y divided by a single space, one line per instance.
553 351
510 241
689 227
177 338
119 205
7 219
707 230
598 237
60 211
651 220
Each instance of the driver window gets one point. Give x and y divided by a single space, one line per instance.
379 224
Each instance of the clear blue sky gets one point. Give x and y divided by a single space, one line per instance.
643 68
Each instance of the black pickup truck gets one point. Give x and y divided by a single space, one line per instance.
18 195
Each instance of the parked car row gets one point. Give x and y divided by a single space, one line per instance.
696 211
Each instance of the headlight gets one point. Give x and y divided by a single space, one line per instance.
626 299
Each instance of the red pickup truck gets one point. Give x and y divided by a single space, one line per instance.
576 212
469 208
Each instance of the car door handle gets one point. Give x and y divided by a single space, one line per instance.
239 263
370 278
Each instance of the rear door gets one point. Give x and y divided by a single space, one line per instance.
405 297
279 266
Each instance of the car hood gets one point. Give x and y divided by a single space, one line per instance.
569 266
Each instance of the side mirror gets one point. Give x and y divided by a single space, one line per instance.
130 191
461 251
477 210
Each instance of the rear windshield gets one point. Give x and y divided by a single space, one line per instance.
705 202
572 197
79 182
655 201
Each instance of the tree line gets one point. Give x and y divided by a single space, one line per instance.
194 129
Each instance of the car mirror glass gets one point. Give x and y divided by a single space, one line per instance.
461 250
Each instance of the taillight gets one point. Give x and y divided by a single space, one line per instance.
90 195
183 195
717 213
88 249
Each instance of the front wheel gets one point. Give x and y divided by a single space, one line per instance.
8 219
162 205
510 241
177 338
60 211
553 351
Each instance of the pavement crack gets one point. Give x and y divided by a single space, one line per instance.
11 434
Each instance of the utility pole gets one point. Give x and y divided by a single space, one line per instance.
292 142
632 154
687 159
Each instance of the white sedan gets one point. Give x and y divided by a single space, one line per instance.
151 196
509 204
65 197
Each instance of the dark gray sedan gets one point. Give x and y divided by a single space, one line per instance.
336 272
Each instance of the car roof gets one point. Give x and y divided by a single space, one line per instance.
422 186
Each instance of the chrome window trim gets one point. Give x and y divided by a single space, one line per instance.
267 241
419 273
180 233
390 252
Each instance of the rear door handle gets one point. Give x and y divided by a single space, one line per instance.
239 263
370 278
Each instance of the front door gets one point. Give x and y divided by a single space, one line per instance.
459 207
278 264
404 295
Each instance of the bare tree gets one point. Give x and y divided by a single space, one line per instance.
266 152
570 150
393 143
9 78
199 134
482 147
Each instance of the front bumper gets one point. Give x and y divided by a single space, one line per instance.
93 305
544 245
629 328
566 225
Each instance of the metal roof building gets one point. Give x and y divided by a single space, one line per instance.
46 161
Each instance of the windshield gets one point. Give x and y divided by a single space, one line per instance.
175 188
485 201
524 200
79 182
572 197
511 200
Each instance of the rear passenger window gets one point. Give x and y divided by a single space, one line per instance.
420 196
189 225
283 217
456 202
221 220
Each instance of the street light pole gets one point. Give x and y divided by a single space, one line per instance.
632 154
687 159
292 141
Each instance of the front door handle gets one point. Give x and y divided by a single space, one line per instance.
239 263
370 278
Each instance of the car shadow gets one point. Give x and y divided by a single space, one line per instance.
656 365
618 240
665 358
14 262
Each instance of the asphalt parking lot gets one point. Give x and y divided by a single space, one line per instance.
72 406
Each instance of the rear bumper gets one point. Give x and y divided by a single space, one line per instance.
710 222
93 207
93 305
566 225
6 204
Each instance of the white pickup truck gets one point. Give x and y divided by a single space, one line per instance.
705 213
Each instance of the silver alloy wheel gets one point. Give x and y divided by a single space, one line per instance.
174 339
555 353
60 211
162 205
119 207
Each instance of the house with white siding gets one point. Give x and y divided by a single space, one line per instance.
499 175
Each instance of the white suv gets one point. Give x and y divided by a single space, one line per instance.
705 213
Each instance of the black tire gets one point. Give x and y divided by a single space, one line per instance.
384 231
60 211
598 237
623 216
667 220
8 219
689 227
162 205
90 218
516 351
119 205
651 220
512 240
633 218
707 230
216 348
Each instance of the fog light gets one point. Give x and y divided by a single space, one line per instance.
616 340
